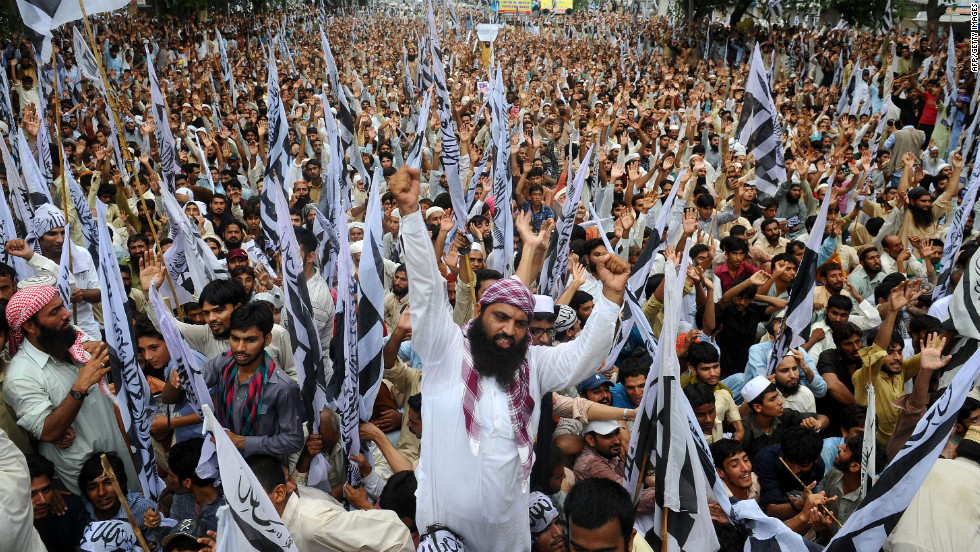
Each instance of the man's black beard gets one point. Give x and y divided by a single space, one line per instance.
411 57
921 217
491 361
399 294
57 342
231 244
786 390
791 200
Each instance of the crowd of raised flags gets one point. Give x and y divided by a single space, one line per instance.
592 65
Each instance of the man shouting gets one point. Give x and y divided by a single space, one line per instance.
481 387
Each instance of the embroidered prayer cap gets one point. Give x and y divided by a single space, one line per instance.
542 512
565 318
510 291
35 281
24 304
441 539
47 217
969 447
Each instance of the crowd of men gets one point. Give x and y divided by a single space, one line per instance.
507 406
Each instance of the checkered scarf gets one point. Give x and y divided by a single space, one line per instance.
26 303
520 401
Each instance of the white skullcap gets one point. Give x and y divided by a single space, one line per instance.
754 388
477 246
544 304
395 214
356 247
433 210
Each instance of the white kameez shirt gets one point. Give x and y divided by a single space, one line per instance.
481 497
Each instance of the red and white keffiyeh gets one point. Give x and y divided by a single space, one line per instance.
26 303
512 292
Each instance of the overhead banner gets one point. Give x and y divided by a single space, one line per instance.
515 6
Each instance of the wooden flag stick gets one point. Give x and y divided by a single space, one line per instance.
806 490
122 499
125 150
469 274
61 161
663 532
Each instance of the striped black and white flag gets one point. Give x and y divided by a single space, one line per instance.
414 158
503 224
90 229
189 370
667 435
881 509
450 145
303 334
249 505
964 309
886 22
8 231
63 281
848 93
89 68
371 302
636 285
188 274
869 445
345 366
161 128
795 329
552 279
224 64
20 200
277 163
37 186
954 239
331 65
776 8
132 391
758 128
7 116
43 16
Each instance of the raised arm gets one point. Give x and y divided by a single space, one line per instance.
434 331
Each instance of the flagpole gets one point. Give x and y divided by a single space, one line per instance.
61 161
125 150
806 490
122 499
663 530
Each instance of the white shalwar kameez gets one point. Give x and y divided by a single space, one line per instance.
482 497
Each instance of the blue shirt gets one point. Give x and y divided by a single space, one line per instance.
619 397
537 218
829 452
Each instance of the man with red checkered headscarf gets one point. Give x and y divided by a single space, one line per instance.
482 388
52 385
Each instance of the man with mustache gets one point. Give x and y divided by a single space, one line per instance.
51 381
481 446
602 457
256 402
918 215
219 299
